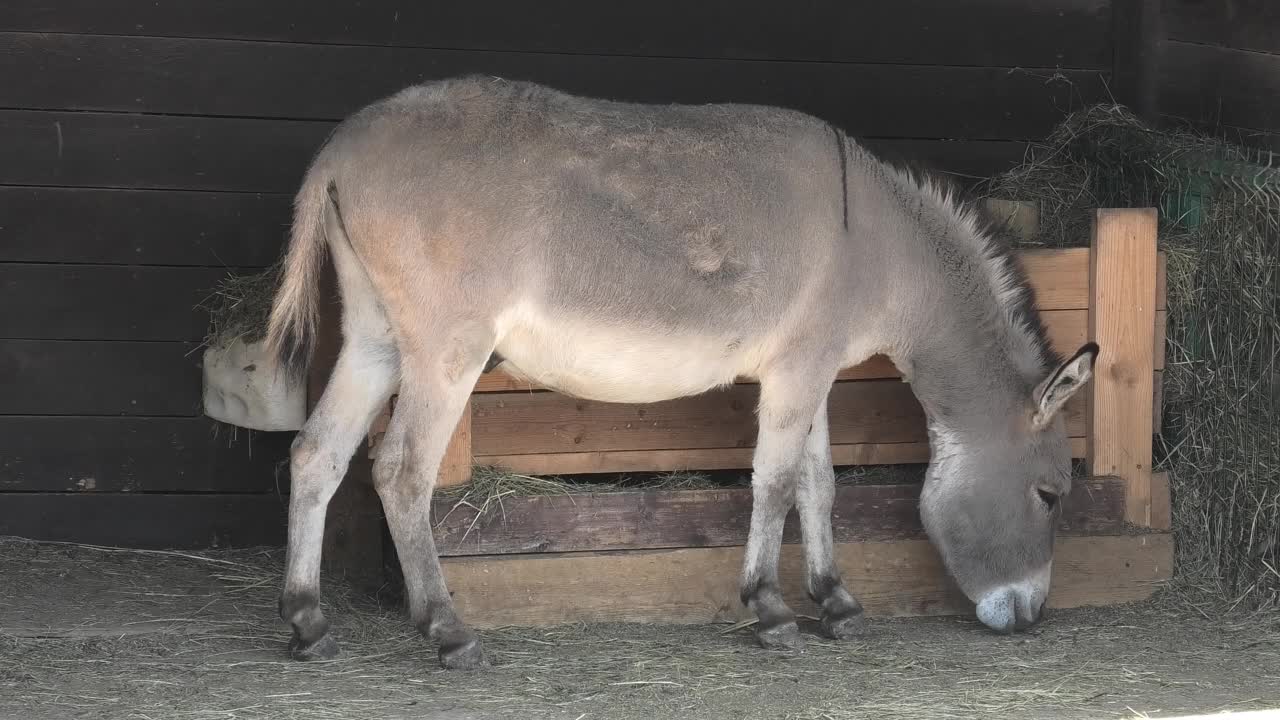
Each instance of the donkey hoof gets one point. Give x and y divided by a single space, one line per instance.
326 648
468 655
845 626
783 636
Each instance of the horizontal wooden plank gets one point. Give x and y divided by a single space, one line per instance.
104 302
329 82
1068 33
159 521
53 377
1244 24
141 227
873 411
710 518
1220 86
73 149
118 454
108 150
700 585
623 461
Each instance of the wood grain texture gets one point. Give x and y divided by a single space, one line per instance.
872 411
711 518
155 152
146 520
107 150
122 454
1241 24
54 377
621 461
1120 418
141 227
1067 33
455 468
329 82
1161 502
105 302
699 585
1215 86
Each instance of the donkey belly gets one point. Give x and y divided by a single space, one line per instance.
611 363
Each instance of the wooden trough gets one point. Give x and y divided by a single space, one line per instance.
674 555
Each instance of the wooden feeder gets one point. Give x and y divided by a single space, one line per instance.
675 555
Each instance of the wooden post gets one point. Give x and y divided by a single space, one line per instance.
1122 281
455 469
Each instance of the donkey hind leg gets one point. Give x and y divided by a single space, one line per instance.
842 616
432 398
360 384
786 406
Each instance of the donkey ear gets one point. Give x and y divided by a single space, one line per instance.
1062 383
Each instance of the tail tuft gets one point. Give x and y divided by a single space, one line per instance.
292 327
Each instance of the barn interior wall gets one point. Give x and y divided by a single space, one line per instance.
152 147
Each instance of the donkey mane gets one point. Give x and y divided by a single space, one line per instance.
1013 318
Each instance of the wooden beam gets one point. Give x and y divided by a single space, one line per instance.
618 461
455 469
1120 418
654 519
700 585
872 411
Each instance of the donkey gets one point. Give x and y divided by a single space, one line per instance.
634 253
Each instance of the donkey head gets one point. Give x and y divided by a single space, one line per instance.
993 496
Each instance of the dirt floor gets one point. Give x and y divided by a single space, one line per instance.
93 633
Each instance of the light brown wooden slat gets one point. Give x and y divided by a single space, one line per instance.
873 411
1124 268
700 585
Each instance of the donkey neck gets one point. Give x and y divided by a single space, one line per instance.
964 380
966 337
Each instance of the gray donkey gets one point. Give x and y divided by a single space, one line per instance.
634 253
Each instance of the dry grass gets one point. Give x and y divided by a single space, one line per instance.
239 307
120 634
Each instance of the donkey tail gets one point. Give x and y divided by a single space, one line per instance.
292 326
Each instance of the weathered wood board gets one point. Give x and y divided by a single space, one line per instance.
700 585
656 519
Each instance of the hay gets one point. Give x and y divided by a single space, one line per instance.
1219 208
239 307
94 632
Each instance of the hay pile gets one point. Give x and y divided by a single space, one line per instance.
240 306
1219 208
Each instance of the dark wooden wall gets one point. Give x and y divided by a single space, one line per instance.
1219 68
148 146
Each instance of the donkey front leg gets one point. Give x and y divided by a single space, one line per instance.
776 468
429 408
360 384
842 616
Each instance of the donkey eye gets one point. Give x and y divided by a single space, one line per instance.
1049 498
